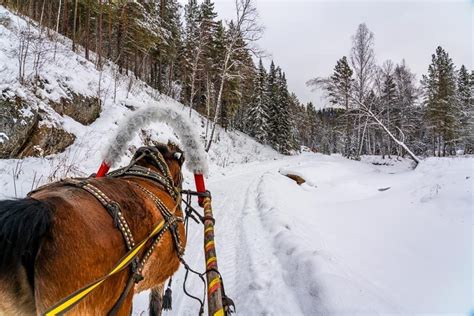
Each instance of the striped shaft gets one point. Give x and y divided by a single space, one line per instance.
214 289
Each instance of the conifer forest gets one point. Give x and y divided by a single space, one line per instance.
217 68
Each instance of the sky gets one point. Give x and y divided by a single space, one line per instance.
306 37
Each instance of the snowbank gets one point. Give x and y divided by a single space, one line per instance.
350 248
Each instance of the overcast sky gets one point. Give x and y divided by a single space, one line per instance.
306 37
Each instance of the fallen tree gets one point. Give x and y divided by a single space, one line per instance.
366 110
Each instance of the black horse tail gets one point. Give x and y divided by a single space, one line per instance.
23 223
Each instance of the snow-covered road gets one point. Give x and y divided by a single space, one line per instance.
251 271
337 244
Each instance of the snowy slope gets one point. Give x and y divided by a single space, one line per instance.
70 71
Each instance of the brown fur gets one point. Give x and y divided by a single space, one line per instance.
83 245
16 295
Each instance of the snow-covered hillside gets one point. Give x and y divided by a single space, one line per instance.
358 238
70 72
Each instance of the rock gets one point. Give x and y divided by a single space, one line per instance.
6 21
84 110
299 180
23 135
17 122
46 140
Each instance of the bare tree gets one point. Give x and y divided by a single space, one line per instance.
25 37
363 64
57 29
195 67
363 61
247 29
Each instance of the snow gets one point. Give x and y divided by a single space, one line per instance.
3 137
336 245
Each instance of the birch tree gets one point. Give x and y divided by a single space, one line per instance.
363 65
245 28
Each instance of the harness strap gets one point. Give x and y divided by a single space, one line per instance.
170 223
112 207
119 220
70 301
139 171
167 214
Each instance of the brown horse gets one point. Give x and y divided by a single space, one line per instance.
61 238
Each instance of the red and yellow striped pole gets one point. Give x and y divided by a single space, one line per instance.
214 287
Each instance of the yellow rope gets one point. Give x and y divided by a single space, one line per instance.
77 296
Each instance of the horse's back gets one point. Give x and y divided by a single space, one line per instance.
84 244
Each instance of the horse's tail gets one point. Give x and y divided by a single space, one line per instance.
23 223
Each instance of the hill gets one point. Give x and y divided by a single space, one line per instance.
59 114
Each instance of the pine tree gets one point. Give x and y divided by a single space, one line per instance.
212 35
273 107
440 100
464 93
311 126
169 12
257 122
191 19
313 122
406 116
388 100
194 47
340 88
285 142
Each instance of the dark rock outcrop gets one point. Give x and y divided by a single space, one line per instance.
17 123
46 140
23 135
83 109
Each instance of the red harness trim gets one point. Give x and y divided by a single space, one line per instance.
200 186
104 168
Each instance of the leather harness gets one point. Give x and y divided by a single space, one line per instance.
162 179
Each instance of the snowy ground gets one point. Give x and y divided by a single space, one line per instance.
337 245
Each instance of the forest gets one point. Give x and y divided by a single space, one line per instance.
217 68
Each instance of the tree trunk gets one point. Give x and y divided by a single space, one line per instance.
216 115
74 23
88 19
57 29
219 96
99 35
65 19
